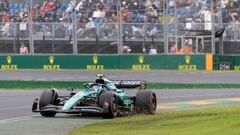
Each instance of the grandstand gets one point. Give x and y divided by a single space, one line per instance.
105 26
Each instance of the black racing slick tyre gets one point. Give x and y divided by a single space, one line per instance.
146 102
48 97
107 100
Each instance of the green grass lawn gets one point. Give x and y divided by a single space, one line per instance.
30 85
213 121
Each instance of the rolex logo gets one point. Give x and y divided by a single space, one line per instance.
9 60
187 59
51 59
141 59
95 59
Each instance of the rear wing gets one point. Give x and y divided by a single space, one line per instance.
130 84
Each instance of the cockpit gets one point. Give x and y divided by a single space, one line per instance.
96 87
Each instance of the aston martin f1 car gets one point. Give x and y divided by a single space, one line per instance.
103 97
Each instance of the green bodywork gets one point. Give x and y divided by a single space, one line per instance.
92 92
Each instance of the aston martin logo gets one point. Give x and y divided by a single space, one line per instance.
141 59
187 59
9 60
95 59
51 60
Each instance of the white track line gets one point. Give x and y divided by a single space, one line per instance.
4 121
198 95
12 108
69 78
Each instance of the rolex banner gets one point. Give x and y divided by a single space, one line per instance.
164 62
103 62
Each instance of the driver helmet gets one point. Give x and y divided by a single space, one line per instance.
96 88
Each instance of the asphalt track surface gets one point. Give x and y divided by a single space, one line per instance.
16 116
15 105
149 76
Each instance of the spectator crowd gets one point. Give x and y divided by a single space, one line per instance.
105 14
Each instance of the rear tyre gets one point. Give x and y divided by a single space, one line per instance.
146 102
46 98
107 101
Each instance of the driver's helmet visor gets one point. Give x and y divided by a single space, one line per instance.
96 87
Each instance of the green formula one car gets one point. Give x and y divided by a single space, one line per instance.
103 97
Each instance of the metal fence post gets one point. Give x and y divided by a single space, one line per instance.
119 21
74 33
31 43
213 29
165 16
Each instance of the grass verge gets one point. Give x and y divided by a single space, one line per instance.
213 121
4 84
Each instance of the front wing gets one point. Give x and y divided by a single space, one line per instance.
74 110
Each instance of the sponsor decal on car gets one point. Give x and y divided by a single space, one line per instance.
95 65
187 66
9 65
90 110
141 65
51 65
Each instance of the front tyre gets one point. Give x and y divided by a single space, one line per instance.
146 102
107 101
48 97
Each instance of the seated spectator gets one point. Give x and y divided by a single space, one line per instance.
113 18
152 50
98 16
173 48
126 49
187 47
4 5
48 7
71 6
233 15
5 29
23 13
89 28
68 27
137 31
5 17
15 17
180 51
23 49
154 31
